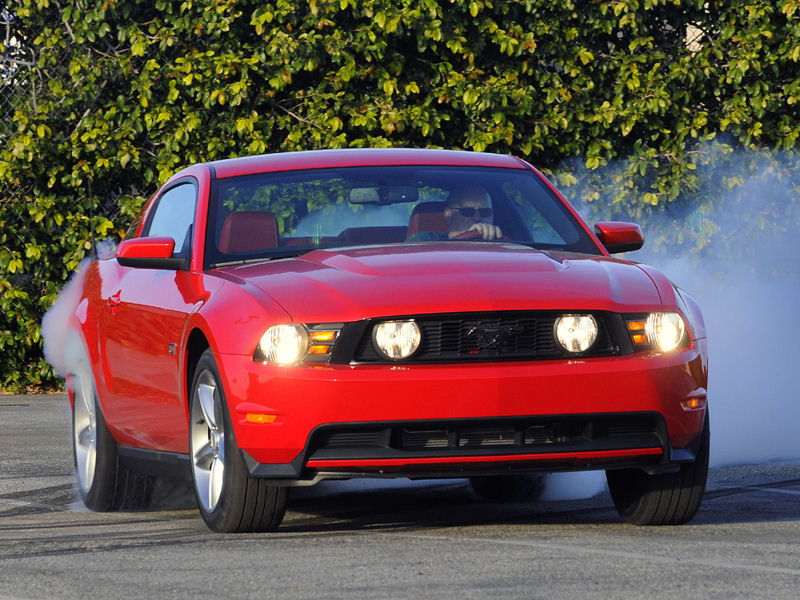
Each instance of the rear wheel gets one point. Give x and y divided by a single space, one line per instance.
662 499
103 482
228 498
508 488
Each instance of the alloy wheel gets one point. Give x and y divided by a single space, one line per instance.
208 441
84 429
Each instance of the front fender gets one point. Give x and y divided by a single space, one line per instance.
674 298
231 316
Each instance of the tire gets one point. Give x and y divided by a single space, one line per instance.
229 499
104 484
508 488
663 499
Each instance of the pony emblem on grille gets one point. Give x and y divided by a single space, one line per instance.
492 338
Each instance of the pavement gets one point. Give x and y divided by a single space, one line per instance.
400 539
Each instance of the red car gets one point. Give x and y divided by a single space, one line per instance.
277 320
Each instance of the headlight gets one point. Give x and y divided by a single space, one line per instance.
662 331
665 331
397 339
576 333
284 344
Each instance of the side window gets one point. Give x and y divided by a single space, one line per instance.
136 226
551 228
174 216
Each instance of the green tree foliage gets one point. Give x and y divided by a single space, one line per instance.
635 93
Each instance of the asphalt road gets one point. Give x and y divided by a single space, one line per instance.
403 541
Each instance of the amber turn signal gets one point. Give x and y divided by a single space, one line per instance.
260 418
694 404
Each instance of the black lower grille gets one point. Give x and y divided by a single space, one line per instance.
347 439
424 439
506 435
518 335
487 437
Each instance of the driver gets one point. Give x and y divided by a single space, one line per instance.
467 210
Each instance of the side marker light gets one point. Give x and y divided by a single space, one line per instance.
694 404
260 418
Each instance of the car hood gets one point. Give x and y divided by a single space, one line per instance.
347 284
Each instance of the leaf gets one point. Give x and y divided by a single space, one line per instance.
585 56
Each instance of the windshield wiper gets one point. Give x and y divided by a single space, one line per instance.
248 261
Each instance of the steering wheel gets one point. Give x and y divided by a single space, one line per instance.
474 234
469 234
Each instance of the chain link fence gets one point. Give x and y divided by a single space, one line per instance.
28 273
22 84
17 80
18 83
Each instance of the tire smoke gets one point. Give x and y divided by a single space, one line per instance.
746 278
58 321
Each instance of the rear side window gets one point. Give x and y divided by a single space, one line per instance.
173 217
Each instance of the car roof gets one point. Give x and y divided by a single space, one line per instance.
355 157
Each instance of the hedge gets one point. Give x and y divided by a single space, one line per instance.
633 106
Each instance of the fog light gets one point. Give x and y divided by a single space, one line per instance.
396 340
576 333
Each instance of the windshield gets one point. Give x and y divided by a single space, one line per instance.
271 215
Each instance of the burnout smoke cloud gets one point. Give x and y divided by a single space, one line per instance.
746 278
737 253
56 323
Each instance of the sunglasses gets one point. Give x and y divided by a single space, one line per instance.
470 211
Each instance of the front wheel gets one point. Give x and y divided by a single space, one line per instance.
228 498
665 498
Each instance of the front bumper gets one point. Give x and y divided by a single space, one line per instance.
334 421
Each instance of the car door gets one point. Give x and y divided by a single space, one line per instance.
146 310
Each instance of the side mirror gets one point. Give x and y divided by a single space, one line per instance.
150 253
618 236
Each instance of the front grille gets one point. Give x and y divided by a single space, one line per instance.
497 336
505 435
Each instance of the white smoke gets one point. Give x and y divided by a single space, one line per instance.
748 286
58 320
573 486
747 282
753 335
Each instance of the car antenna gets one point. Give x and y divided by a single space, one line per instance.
91 220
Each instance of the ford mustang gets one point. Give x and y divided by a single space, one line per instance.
278 320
